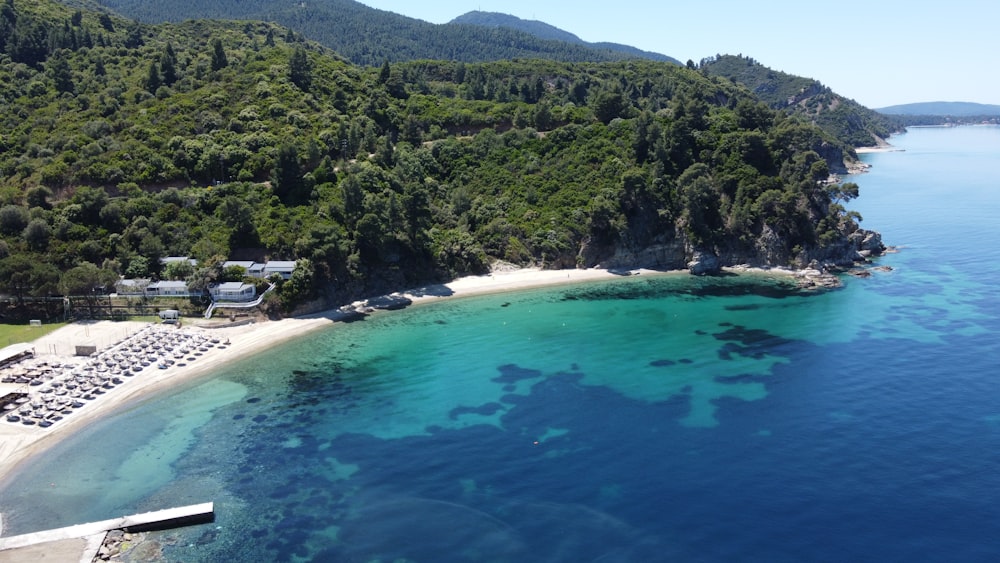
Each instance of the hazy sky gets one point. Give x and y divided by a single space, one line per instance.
878 52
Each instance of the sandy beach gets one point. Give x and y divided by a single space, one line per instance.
881 148
19 443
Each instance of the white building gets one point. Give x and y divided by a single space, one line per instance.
168 288
131 286
284 268
253 269
233 291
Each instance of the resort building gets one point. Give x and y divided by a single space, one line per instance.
233 291
283 268
253 269
131 286
168 288
245 264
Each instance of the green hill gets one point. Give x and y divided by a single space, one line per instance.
122 143
368 36
948 109
843 118
944 113
543 30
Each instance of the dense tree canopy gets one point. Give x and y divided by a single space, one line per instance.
212 139
367 36
845 119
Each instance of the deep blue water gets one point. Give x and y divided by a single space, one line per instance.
654 418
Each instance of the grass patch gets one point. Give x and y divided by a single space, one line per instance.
15 334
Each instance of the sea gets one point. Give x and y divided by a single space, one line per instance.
648 418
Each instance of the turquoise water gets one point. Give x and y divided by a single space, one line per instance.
652 418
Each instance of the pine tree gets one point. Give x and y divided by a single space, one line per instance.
134 39
219 60
152 78
300 69
168 65
106 23
287 178
61 73
8 21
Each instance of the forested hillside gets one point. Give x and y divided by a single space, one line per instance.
122 143
367 36
845 119
543 30
943 113
950 109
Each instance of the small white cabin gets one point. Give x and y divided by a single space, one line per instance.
168 288
233 291
283 268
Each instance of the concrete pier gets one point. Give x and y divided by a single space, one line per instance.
85 534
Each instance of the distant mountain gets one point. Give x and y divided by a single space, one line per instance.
950 109
368 36
543 30
843 118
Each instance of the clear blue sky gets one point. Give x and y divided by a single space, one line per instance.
878 52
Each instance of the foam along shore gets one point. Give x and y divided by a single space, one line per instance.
54 355
880 148
19 442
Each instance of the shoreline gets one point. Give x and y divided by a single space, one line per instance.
883 148
20 444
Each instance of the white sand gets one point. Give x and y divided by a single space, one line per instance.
19 443
882 148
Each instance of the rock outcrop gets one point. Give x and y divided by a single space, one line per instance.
703 263
768 250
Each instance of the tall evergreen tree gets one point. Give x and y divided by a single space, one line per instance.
8 19
61 73
106 23
219 60
152 78
134 39
29 43
287 179
168 65
300 69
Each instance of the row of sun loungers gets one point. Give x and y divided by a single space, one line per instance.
56 390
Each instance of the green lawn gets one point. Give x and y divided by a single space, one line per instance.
14 334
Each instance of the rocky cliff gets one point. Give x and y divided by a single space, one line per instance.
676 252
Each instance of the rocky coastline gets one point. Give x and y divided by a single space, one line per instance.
814 269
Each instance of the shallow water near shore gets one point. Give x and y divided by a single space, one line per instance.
652 418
